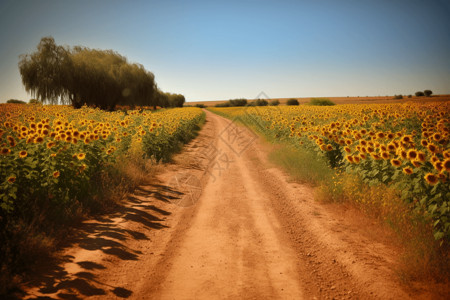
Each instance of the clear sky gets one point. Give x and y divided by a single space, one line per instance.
209 50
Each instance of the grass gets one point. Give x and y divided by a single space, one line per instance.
302 166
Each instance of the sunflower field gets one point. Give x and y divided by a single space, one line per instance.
54 154
404 146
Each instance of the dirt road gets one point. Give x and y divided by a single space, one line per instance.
221 222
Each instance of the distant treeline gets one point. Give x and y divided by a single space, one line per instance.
79 75
245 102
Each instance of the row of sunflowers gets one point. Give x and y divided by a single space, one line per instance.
405 146
57 152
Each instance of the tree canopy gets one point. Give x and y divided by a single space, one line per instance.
80 75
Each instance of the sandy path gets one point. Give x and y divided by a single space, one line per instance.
222 223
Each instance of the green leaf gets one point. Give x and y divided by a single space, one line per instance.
438 235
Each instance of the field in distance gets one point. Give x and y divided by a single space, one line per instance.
343 100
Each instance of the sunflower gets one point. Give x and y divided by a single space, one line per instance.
434 159
347 149
406 139
323 147
56 174
446 165
50 145
396 162
356 159
437 137
381 135
329 147
23 154
432 148
391 147
446 153
385 155
424 143
438 165
81 156
375 156
408 170
412 154
11 179
349 158
362 156
5 151
431 179
416 163
421 156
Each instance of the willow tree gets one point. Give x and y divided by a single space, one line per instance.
46 72
81 75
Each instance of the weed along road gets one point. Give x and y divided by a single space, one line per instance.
221 222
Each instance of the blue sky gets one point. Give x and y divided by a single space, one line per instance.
210 50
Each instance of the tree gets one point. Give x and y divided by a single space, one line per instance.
428 93
15 101
176 100
46 73
261 102
275 102
34 101
420 94
292 102
81 75
238 102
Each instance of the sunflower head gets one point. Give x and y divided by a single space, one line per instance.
412 154
431 179
11 179
396 162
432 148
408 170
5 151
446 165
349 158
416 163
23 154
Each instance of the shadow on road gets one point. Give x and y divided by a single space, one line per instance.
104 233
